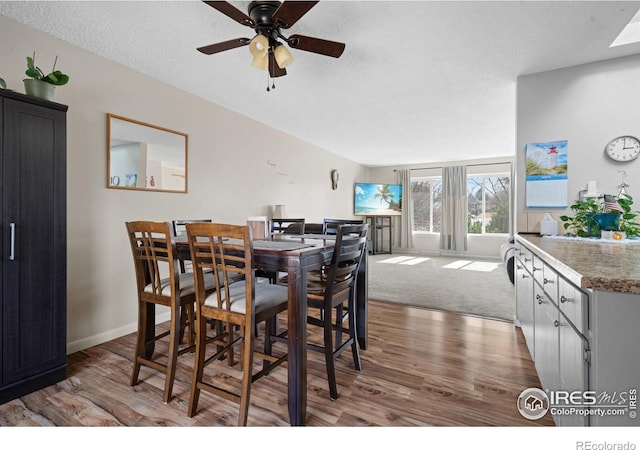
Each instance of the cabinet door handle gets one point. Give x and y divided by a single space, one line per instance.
535 268
546 281
524 276
564 299
12 241
12 245
539 298
557 323
527 259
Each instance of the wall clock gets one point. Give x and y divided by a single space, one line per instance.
623 148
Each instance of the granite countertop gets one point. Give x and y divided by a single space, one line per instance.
601 266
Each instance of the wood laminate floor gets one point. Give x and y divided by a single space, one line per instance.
422 368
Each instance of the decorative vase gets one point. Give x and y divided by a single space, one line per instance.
38 88
603 222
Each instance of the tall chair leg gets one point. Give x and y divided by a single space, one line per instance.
198 370
140 342
172 355
247 363
353 335
328 354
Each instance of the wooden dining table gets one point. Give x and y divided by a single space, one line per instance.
297 255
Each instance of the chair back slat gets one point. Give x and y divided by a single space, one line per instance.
179 225
154 255
349 248
288 226
227 250
330 226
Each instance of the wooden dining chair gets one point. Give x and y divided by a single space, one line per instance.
282 226
159 282
335 293
227 251
331 299
287 226
179 229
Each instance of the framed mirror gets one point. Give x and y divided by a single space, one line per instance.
145 157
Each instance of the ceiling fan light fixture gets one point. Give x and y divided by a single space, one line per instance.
259 49
259 46
261 62
283 56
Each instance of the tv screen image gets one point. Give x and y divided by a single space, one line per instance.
377 199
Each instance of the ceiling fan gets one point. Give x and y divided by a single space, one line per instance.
268 18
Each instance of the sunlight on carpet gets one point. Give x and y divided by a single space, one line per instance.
406 260
479 266
396 260
456 264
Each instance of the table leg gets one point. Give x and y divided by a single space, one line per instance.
297 344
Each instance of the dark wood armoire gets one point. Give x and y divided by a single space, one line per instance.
33 244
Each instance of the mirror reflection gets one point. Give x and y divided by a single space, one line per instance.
145 157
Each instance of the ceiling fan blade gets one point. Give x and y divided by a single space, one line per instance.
274 70
222 46
229 10
315 45
290 12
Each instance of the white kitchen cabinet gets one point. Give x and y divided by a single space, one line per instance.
574 346
546 339
524 296
585 335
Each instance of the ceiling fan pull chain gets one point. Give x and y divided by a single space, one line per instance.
273 81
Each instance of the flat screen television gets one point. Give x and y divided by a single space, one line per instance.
377 199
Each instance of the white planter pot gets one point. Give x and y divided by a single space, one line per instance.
40 89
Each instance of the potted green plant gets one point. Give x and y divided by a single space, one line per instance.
39 84
3 84
607 215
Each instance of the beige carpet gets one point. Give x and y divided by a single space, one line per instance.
464 285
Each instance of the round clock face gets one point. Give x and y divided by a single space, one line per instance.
623 148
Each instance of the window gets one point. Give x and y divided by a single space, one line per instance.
426 207
488 193
488 199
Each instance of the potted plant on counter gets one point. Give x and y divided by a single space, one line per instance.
3 84
39 84
607 217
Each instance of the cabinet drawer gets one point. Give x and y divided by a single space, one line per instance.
537 268
550 282
524 255
574 304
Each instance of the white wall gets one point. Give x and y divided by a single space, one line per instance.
586 105
237 168
487 246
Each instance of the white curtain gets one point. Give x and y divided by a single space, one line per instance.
404 239
453 234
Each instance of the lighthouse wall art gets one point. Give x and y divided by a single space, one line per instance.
546 175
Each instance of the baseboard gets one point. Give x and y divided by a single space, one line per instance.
109 335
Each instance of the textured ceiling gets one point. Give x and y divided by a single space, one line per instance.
419 82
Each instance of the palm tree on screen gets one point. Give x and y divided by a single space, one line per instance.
384 194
